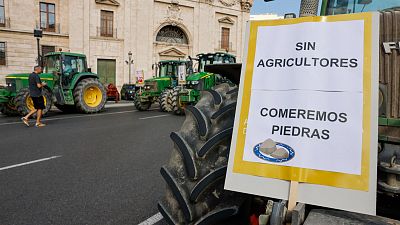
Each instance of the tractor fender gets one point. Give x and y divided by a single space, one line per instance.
49 89
230 71
81 76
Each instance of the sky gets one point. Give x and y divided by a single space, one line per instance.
279 7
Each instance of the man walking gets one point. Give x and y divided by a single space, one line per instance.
35 91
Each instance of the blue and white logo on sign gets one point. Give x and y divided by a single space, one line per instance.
272 151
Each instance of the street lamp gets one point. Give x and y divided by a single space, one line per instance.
129 62
38 33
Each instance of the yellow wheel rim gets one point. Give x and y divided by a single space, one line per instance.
29 102
92 96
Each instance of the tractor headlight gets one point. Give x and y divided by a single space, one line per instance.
147 87
195 82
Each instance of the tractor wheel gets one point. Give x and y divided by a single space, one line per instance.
9 109
90 96
24 101
166 100
177 107
196 170
141 106
66 108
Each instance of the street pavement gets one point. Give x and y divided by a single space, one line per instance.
95 169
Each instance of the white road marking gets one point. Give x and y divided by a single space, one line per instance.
31 162
72 117
152 220
152 117
118 105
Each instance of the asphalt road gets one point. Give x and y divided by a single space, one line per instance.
107 170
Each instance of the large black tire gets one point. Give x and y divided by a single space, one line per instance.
66 108
196 170
24 102
166 100
9 109
141 106
100 98
176 105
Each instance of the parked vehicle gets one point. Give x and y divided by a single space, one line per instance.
189 94
70 87
112 93
128 91
159 88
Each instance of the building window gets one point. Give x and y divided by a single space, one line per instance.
225 32
107 24
48 17
172 34
2 53
2 14
46 49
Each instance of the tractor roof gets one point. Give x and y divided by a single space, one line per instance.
215 53
172 61
66 53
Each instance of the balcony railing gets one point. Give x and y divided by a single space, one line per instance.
5 22
54 28
106 32
225 46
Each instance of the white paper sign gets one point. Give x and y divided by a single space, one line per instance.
309 99
140 78
307 111
182 74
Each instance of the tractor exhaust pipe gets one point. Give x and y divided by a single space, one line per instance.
309 8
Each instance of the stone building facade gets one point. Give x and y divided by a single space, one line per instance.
107 30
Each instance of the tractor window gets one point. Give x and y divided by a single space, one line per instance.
73 64
216 59
168 70
219 59
203 62
52 64
335 7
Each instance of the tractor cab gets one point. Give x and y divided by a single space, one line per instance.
214 58
66 65
169 68
202 79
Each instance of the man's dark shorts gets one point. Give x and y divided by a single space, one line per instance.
38 102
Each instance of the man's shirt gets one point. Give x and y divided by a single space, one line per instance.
34 91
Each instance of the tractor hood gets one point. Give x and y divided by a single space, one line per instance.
197 76
157 79
25 76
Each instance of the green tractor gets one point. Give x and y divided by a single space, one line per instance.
70 86
190 93
160 88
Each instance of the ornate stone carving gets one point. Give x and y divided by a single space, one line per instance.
174 13
227 20
172 52
228 3
108 2
210 2
246 5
